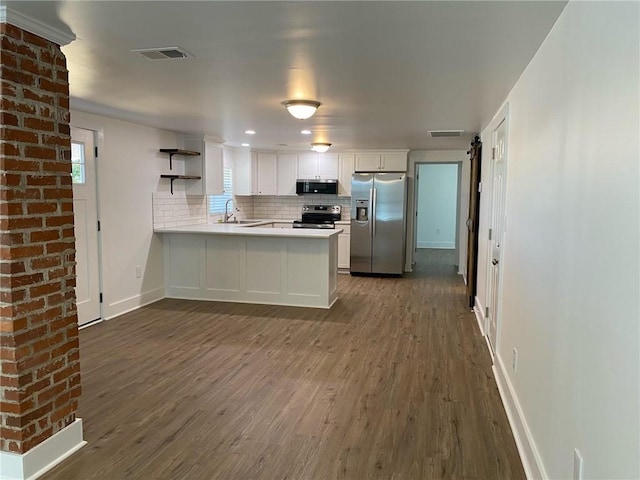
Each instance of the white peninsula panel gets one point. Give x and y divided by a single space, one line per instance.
263 266
223 262
252 265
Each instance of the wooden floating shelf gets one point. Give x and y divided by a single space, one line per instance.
180 177
178 151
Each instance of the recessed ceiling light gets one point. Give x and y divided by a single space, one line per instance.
245 145
250 132
305 132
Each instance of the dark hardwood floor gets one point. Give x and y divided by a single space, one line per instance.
393 382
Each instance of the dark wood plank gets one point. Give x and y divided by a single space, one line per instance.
393 382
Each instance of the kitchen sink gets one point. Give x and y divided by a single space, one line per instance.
244 222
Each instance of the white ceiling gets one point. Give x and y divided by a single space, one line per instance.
385 72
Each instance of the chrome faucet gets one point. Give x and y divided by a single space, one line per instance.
227 215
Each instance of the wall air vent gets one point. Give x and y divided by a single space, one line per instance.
445 133
162 53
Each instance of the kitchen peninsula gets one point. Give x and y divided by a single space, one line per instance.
251 264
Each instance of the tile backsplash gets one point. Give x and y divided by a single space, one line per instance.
290 208
178 209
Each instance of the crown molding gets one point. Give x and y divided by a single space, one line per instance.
31 25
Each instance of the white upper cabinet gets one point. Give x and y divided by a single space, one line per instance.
244 172
210 166
271 173
266 173
328 166
213 176
318 166
394 161
347 167
367 162
307 166
287 173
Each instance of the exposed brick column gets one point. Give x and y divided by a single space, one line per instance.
40 374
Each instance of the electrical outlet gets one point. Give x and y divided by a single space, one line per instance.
515 359
138 271
577 465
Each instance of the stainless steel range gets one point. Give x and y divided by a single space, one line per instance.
318 216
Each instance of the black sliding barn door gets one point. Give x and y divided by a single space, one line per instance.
475 153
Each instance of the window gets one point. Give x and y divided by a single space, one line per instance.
217 202
77 163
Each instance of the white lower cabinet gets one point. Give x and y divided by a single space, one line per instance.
344 247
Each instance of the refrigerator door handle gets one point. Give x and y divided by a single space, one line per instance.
373 213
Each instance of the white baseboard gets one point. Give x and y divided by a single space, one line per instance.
482 324
44 456
531 461
133 303
478 309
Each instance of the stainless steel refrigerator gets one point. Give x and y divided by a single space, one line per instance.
378 204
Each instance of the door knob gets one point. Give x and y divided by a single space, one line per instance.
494 261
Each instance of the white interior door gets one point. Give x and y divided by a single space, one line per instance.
497 232
85 212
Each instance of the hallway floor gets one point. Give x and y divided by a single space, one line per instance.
393 382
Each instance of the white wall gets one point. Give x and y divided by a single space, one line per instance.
129 168
571 280
437 204
417 157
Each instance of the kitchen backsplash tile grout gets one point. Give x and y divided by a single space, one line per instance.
291 207
180 209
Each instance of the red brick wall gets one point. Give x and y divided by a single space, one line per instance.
40 369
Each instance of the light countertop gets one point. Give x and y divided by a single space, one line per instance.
251 229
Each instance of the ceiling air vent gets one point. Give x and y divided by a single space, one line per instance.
162 53
445 133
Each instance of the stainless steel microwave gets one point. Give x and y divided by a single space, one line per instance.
328 187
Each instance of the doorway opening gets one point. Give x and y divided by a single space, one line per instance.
437 215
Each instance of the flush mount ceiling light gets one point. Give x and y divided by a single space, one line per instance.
320 147
301 109
305 132
250 132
